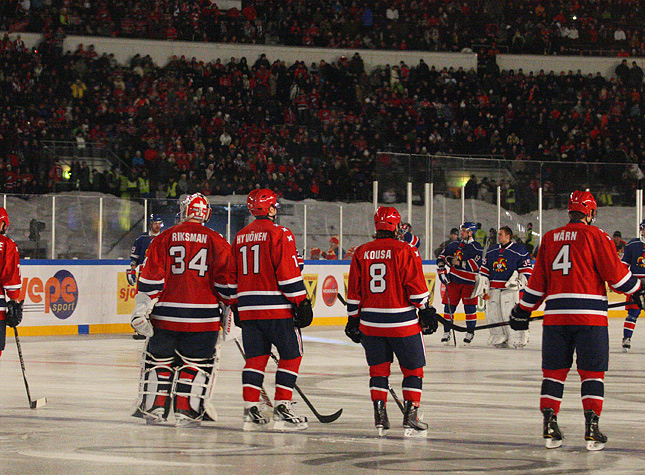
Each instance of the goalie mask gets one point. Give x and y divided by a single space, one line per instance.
195 206
4 218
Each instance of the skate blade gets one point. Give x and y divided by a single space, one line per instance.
413 433
382 431
625 350
187 422
154 421
253 426
210 413
593 445
284 426
552 443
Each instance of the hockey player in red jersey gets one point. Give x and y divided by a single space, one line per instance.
271 307
386 288
10 281
572 267
183 280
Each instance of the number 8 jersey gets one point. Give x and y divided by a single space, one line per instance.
187 268
386 285
265 272
573 264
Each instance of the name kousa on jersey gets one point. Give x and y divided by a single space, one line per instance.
378 254
189 237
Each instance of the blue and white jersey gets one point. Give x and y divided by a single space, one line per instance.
469 253
634 257
139 248
500 262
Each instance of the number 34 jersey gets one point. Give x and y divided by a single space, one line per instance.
386 285
187 267
266 277
573 264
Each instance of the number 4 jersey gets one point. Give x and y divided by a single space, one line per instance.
386 285
571 269
187 268
265 272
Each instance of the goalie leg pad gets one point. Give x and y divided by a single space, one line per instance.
516 339
153 403
494 315
192 385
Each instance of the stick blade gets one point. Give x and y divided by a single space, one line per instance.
331 417
38 403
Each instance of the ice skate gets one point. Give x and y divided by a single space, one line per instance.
445 339
627 344
412 426
285 419
500 341
596 440
520 339
155 417
254 419
468 339
381 421
187 418
552 433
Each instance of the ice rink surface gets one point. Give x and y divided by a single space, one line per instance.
481 405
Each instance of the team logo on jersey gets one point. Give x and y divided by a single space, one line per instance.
640 262
459 254
58 295
311 284
330 290
500 265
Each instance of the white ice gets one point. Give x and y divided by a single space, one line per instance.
481 405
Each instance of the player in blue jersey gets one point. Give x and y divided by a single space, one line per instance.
505 270
407 236
138 253
634 257
457 266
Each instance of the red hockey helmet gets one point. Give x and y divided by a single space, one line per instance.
584 202
386 218
4 217
195 206
259 202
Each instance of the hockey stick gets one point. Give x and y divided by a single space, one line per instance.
396 398
263 393
322 418
459 328
620 304
342 299
38 402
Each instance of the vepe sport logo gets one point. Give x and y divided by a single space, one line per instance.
59 294
329 290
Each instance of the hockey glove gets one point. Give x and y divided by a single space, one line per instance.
131 275
428 319
639 298
304 314
142 307
442 272
14 313
520 318
351 329
236 316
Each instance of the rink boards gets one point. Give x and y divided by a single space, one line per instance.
66 297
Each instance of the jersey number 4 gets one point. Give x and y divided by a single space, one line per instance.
197 263
561 261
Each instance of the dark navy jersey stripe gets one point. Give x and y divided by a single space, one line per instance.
148 288
262 300
577 303
186 312
389 317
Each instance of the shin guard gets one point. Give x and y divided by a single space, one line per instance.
193 379
153 403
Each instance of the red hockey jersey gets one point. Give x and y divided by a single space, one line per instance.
187 268
386 285
573 264
265 274
9 273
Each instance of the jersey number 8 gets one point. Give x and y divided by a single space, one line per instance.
378 284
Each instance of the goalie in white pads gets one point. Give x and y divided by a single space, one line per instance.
183 280
505 271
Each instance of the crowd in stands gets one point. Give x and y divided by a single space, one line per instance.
309 131
521 26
